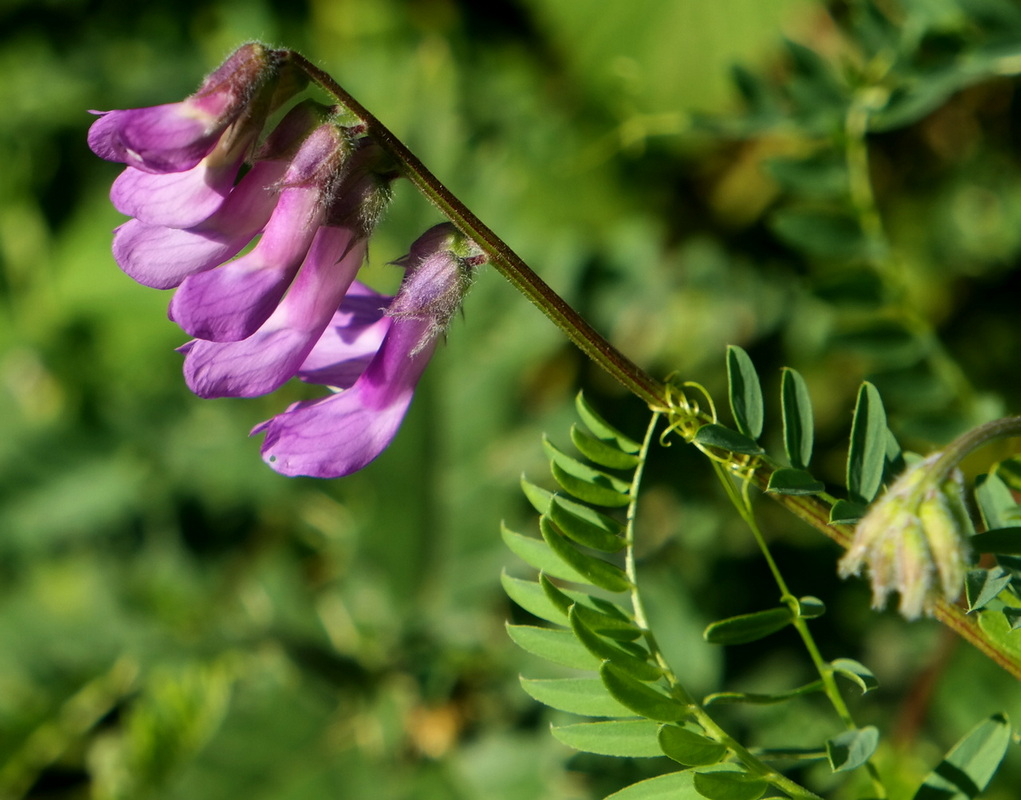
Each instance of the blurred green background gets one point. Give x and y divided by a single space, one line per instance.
178 621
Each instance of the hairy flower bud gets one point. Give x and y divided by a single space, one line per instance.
913 540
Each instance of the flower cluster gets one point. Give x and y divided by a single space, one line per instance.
914 540
203 181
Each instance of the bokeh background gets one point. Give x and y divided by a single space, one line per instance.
178 621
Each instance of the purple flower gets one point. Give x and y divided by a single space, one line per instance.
177 136
340 434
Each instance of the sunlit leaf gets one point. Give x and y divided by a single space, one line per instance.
539 555
983 585
536 495
624 738
593 570
866 457
689 748
811 607
530 596
850 749
641 698
602 616
745 392
748 627
600 490
601 453
728 785
553 644
605 650
587 697
590 528
971 763
856 672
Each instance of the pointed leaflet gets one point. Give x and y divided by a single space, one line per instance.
788 480
866 457
745 392
748 627
602 616
553 644
851 748
798 423
641 698
538 554
594 570
970 764
591 529
983 585
536 495
856 672
530 596
601 453
586 697
601 429
632 738
720 785
723 438
719 698
996 502
689 748
672 786
633 664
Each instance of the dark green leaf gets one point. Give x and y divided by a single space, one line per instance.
811 607
606 650
530 596
599 494
672 786
602 616
720 698
794 481
866 457
632 738
720 785
582 472
970 764
586 526
553 644
851 749
1013 617
593 570
1001 540
798 422
539 555
723 438
983 585
601 429
689 748
846 513
745 392
641 698
748 627
601 453
587 697
855 672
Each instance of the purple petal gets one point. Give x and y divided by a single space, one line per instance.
272 355
341 434
230 303
163 257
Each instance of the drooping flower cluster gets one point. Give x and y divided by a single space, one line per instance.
202 182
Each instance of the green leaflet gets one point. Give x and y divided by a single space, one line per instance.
851 749
539 555
592 570
794 481
723 438
745 392
601 429
726 785
586 697
553 644
632 738
798 421
601 616
634 664
971 763
748 627
590 529
866 457
601 453
983 585
856 672
530 596
584 482
640 697
718 698
688 747
672 786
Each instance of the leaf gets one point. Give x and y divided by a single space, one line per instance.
852 748
1013 617
745 392
553 644
748 627
536 495
996 502
641 698
672 786
999 540
811 607
846 513
798 422
999 633
633 664
971 763
983 585
720 785
720 698
601 453
689 748
586 526
856 672
587 697
593 570
794 481
530 596
600 615
601 429
538 554
723 438
591 491
866 457
623 738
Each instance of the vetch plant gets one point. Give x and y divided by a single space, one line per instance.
203 181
